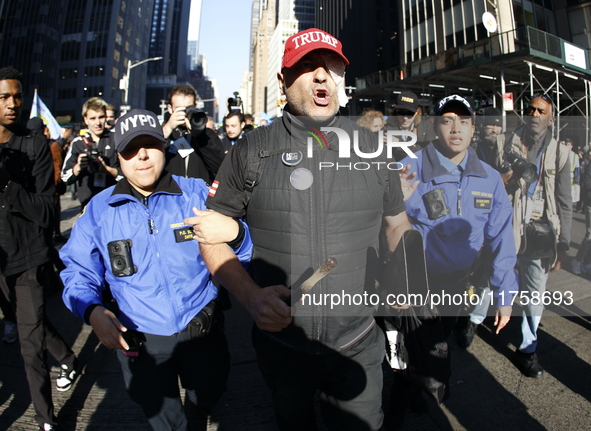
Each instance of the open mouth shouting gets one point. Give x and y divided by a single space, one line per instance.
321 97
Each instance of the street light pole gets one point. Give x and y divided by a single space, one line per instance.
124 82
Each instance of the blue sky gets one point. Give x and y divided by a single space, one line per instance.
224 39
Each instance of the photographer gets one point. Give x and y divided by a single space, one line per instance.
91 160
193 151
542 203
132 237
234 126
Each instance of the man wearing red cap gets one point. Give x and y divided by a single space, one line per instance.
301 215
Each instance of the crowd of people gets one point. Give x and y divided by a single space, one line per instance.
175 216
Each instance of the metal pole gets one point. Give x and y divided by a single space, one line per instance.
557 106
503 89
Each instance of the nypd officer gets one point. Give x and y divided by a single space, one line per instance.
132 237
460 206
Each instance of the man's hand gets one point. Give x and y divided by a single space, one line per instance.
502 317
81 164
177 119
506 177
267 308
406 182
108 328
211 227
561 257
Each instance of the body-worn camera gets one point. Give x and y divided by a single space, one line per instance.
120 257
197 119
435 204
521 168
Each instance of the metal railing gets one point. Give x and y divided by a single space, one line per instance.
522 40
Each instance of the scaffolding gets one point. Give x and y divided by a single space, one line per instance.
519 63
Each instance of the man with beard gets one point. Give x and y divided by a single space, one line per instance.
543 205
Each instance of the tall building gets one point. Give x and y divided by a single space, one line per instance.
255 16
369 32
168 39
261 51
30 39
72 50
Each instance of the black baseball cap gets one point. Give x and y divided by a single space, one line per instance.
492 116
407 101
36 124
137 122
451 102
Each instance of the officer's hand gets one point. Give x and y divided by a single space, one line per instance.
211 227
81 164
108 328
502 317
268 310
561 257
406 182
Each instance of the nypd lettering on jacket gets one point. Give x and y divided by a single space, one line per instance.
315 36
134 121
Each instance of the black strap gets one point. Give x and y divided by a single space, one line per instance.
257 154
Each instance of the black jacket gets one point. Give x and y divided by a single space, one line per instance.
88 183
26 204
203 162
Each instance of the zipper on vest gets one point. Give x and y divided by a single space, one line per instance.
460 202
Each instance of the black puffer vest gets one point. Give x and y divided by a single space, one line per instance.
295 231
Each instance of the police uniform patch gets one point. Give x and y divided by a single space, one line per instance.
292 159
482 203
184 234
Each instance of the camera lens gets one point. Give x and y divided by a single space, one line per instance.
119 263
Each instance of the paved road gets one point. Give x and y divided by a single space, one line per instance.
487 392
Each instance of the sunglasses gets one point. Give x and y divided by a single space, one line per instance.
407 114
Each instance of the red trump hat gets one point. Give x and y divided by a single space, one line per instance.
305 41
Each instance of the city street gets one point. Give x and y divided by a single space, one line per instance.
487 391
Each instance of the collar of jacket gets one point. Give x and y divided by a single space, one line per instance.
432 169
300 132
123 191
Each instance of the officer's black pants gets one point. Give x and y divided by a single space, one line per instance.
37 336
151 379
350 384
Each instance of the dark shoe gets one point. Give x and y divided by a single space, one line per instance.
465 334
528 364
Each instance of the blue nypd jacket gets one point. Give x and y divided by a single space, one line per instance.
480 215
172 283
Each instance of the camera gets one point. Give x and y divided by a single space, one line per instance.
120 257
235 103
197 119
94 164
435 204
521 168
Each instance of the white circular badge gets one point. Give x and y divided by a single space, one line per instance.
301 179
